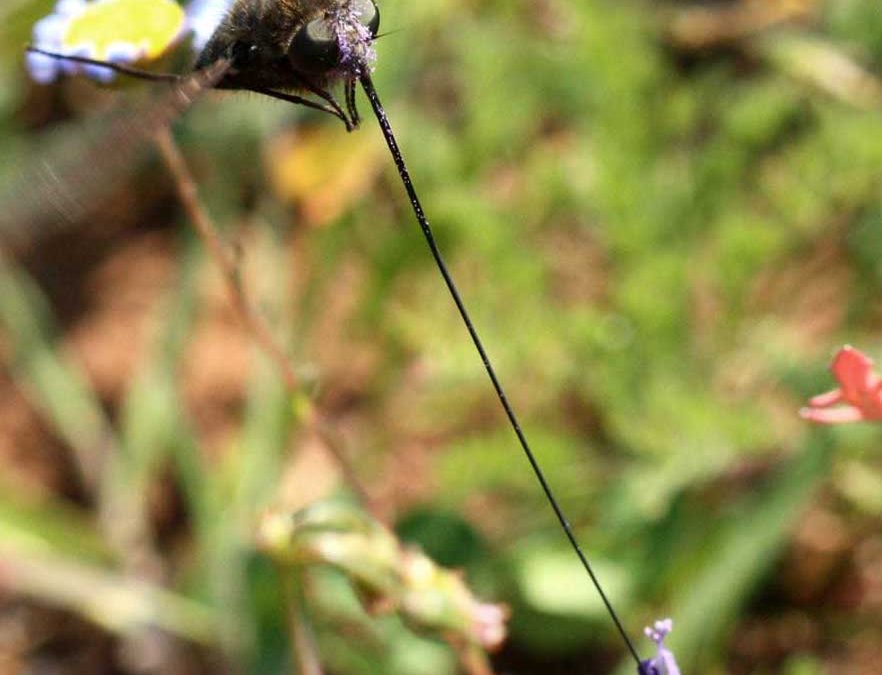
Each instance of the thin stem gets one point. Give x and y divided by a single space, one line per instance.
472 657
189 196
334 444
386 128
254 323
306 654
137 73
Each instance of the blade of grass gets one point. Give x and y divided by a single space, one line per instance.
152 426
52 380
49 524
112 601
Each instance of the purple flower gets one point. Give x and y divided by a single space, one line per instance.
663 663
146 30
49 34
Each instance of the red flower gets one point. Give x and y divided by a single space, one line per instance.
860 389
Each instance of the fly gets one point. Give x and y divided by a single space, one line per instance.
282 49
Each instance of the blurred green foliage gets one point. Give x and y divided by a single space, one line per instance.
661 249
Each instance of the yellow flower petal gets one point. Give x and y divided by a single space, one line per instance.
150 25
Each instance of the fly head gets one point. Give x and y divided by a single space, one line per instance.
293 44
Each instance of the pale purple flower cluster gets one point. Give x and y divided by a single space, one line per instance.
354 39
663 663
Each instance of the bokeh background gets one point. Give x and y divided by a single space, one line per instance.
665 217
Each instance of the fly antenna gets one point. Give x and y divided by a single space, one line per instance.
386 34
398 158
116 67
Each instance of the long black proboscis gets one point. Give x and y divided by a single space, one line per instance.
398 158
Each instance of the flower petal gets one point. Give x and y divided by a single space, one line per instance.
842 415
42 69
203 17
826 400
854 372
122 31
663 663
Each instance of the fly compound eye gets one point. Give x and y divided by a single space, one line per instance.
368 14
314 48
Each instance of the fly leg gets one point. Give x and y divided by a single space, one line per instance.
332 109
330 100
350 102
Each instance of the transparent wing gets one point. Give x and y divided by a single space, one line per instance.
64 186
